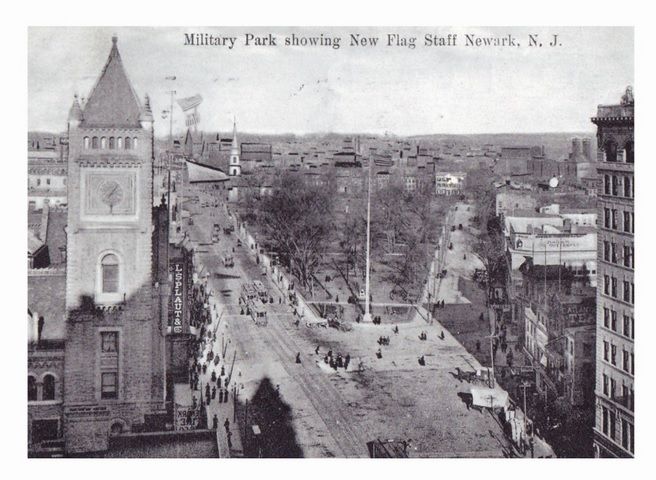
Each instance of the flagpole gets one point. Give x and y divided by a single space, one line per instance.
367 313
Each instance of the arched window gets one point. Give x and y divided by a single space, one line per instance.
628 149
134 143
611 151
116 428
86 143
48 387
111 143
128 143
103 143
119 143
31 388
109 266
94 143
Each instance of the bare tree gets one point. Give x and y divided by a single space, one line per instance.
297 218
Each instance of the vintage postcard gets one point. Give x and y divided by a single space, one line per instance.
350 242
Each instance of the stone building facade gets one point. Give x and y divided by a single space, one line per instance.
115 333
614 423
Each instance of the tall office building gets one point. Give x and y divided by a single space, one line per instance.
614 420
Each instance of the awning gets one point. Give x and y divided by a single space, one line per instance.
489 397
202 173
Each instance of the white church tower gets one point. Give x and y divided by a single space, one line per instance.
235 166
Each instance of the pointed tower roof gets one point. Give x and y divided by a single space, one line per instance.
112 102
235 144
75 113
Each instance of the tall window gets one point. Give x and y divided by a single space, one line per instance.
112 143
109 266
615 186
109 364
627 291
109 342
628 191
626 326
103 143
628 149
613 287
31 388
109 385
625 360
86 143
613 320
613 253
49 387
606 352
606 317
607 218
94 143
604 421
627 222
628 256
614 218
607 250
611 151
134 142
119 143
128 143
606 285
612 425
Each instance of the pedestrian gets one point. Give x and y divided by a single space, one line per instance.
442 335
213 377
336 298
207 390
215 422
347 360
298 357
478 345
213 392
226 424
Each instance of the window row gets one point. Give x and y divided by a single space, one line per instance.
610 322
608 427
118 143
626 397
628 289
612 255
610 356
614 184
613 154
612 219
47 388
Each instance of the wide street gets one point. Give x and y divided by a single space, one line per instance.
335 413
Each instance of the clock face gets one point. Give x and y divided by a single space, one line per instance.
110 195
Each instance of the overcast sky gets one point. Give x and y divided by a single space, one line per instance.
351 89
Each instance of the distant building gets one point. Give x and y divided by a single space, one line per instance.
614 424
450 183
559 317
511 200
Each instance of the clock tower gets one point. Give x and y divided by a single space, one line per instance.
115 359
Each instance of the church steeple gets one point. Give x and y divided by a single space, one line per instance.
235 145
235 165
